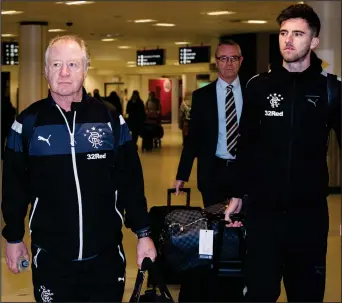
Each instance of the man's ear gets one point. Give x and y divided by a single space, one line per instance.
314 42
46 73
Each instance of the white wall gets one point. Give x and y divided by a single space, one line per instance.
93 81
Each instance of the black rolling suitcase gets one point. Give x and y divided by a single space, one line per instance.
147 135
157 217
228 263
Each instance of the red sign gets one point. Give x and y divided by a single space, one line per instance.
162 88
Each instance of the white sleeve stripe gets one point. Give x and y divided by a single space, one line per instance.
122 120
339 78
110 125
17 127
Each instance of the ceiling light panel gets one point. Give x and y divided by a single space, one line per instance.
164 24
56 30
11 12
108 39
78 2
182 43
124 46
220 13
255 21
144 20
8 35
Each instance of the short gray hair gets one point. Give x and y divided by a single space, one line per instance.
228 42
74 38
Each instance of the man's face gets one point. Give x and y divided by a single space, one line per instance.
228 69
65 70
296 40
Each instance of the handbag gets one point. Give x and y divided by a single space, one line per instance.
159 291
179 241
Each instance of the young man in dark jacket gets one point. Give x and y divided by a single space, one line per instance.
72 158
284 133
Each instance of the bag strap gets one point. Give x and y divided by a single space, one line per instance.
331 88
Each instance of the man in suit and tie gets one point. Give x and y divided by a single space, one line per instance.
212 136
213 128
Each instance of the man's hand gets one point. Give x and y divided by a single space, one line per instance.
178 185
234 207
13 253
145 249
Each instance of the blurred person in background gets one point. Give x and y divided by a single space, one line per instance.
135 113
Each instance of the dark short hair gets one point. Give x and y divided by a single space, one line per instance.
302 11
227 41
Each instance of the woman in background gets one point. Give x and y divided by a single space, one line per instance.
135 115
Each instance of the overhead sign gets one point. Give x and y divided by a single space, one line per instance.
10 53
195 54
150 57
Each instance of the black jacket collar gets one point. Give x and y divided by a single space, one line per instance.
74 105
314 68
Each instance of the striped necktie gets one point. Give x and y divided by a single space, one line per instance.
231 121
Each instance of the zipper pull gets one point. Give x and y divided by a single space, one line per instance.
72 140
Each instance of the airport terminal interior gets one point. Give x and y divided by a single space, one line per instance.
167 47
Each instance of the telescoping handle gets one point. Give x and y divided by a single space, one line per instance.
173 190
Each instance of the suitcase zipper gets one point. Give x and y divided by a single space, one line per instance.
181 227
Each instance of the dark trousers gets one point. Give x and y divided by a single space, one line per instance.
291 245
221 182
204 285
135 136
99 279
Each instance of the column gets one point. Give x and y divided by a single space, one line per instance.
329 51
175 102
32 44
189 83
262 52
329 48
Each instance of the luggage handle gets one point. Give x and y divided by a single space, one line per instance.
173 190
221 217
149 266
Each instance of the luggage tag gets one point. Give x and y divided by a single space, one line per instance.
206 244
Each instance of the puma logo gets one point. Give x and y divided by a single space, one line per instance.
313 99
40 138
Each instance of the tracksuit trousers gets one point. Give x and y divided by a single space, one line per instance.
97 279
287 244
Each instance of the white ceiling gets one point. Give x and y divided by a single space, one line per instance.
95 21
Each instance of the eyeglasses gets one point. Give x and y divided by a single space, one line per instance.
225 59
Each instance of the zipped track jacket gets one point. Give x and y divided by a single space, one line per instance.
82 178
284 134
